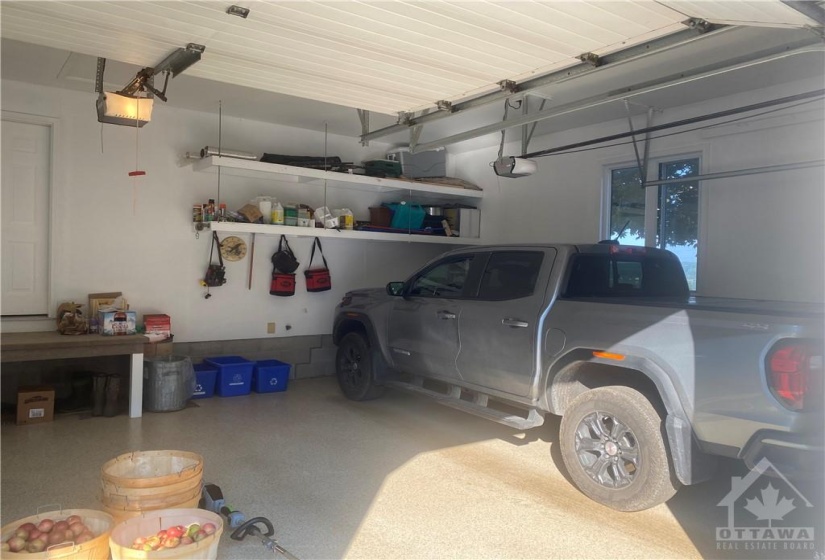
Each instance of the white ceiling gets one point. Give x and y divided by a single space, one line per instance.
305 63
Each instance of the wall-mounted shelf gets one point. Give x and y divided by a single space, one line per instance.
262 170
268 229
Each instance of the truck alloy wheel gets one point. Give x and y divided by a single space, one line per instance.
612 444
607 450
353 367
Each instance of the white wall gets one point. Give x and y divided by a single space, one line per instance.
115 233
762 236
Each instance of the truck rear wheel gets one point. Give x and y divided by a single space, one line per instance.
353 367
612 443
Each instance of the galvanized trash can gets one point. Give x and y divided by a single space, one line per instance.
168 383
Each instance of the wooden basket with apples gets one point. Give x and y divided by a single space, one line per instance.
71 534
168 534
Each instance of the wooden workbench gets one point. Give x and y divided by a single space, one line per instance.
35 346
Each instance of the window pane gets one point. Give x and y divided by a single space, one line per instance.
445 279
510 275
678 216
627 206
601 276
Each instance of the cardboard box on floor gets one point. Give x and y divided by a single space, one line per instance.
35 404
158 349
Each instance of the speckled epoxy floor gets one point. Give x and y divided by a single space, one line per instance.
398 477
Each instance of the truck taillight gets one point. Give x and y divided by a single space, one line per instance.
795 374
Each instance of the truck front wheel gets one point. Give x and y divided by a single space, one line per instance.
353 367
612 443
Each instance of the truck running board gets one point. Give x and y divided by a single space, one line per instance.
478 406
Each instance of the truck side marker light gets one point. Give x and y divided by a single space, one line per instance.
608 355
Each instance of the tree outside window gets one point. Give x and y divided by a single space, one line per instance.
674 225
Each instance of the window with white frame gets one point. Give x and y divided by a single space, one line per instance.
664 216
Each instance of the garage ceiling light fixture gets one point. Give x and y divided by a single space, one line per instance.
132 105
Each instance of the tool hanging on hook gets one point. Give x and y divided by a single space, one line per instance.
251 259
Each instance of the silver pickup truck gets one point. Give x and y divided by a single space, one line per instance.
651 383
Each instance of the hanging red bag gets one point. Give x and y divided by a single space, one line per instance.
283 284
318 280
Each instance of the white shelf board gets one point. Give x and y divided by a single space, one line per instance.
294 231
262 170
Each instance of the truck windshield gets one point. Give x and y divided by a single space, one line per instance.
625 275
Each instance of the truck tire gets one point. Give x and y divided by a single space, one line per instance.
353 368
613 444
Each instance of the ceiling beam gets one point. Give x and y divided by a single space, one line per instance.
631 54
784 51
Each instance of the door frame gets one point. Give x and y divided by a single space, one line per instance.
55 163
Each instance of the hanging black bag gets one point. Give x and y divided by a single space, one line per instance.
215 273
318 280
283 260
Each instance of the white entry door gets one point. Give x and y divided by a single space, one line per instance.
26 157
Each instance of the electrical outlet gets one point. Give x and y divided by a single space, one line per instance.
270 328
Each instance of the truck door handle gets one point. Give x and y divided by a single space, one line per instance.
515 323
445 315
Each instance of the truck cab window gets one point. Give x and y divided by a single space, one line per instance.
445 279
510 275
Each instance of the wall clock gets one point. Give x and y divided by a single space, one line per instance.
233 248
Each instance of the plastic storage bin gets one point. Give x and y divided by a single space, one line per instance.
205 376
270 376
234 375
168 383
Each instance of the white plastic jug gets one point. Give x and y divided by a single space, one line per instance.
265 206
277 213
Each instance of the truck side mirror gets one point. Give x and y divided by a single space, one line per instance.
395 288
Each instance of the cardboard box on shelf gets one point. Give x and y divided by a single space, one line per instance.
157 323
98 301
466 220
35 404
469 222
114 323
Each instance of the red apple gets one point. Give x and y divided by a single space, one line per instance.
209 528
34 533
200 535
186 540
61 526
171 542
86 536
57 536
177 531
28 527
45 525
76 528
74 519
161 534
